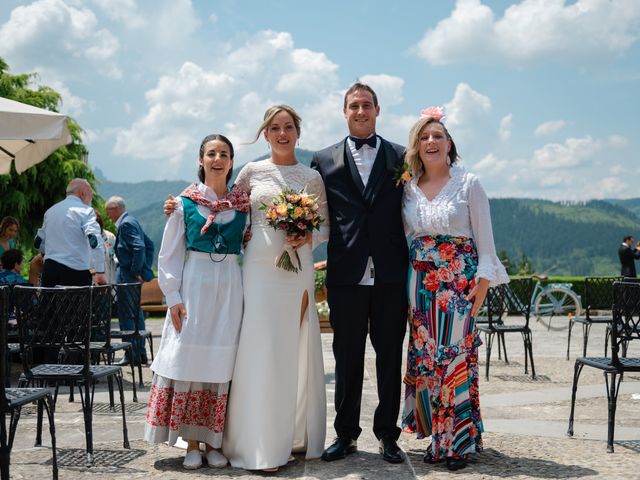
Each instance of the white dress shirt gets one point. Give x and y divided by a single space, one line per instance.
364 159
65 232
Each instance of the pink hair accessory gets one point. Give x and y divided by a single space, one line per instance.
433 112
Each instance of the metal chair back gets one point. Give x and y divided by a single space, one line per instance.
4 301
518 294
126 299
495 305
626 318
55 319
598 293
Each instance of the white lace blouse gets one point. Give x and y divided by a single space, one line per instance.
264 180
461 208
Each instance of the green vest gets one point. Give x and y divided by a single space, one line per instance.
219 238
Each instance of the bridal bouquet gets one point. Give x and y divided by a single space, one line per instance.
296 213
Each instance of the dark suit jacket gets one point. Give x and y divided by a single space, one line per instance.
363 221
134 250
627 260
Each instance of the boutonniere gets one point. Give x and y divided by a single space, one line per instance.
403 174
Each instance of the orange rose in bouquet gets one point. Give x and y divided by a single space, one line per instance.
295 213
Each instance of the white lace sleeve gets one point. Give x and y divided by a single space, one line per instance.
316 187
171 256
489 266
243 178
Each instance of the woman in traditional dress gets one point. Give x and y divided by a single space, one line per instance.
453 263
199 274
277 399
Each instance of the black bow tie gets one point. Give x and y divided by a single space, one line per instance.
371 141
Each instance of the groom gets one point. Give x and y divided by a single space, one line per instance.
367 262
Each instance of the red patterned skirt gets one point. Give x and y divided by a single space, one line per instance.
191 410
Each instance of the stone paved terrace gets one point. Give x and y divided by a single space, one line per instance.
525 422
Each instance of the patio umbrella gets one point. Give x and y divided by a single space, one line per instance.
29 134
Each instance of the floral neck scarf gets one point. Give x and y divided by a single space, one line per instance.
235 199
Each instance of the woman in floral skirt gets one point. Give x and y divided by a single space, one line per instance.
453 263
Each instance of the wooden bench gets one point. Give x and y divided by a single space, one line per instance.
151 298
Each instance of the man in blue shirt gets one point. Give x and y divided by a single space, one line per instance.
70 240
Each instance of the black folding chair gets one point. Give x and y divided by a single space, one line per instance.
13 399
101 345
494 308
626 329
127 304
58 322
598 295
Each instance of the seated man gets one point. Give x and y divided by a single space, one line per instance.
11 261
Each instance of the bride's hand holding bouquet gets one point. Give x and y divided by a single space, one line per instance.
296 213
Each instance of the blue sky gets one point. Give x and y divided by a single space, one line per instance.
542 96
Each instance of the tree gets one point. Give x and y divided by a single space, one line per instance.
524 266
509 266
27 196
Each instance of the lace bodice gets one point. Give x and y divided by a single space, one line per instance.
264 180
461 208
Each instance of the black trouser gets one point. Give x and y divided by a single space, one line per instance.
55 273
380 310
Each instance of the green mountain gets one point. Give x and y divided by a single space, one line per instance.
557 238
561 238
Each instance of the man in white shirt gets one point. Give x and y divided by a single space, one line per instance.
70 240
367 262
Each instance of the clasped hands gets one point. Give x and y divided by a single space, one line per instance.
296 241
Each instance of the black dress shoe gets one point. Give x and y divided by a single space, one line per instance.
341 447
390 450
123 363
456 463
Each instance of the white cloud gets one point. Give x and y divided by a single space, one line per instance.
573 152
571 170
466 106
387 87
582 31
230 97
506 124
174 23
618 141
69 31
547 128
124 11
610 187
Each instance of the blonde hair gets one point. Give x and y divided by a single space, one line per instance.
412 156
271 113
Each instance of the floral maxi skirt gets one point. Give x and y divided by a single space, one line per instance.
441 393
191 410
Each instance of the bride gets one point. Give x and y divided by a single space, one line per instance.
277 398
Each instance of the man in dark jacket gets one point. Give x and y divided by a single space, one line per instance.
134 251
628 255
367 262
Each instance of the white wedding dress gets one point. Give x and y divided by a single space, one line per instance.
277 402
